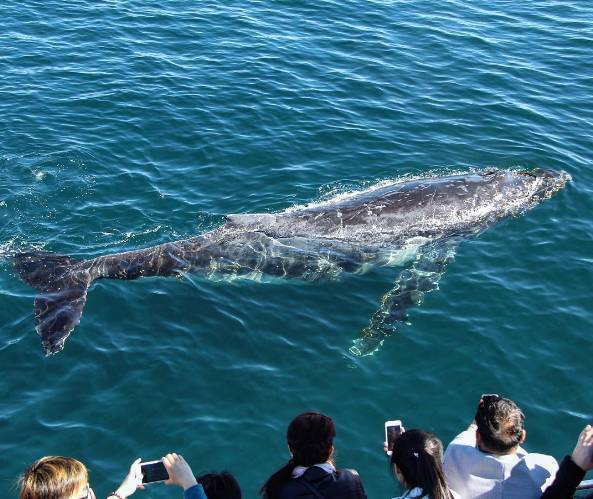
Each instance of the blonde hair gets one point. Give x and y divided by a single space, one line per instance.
52 477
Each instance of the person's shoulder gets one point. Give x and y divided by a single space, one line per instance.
462 446
348 472
349 475
533 473
350 479
195 492
466 438
533 459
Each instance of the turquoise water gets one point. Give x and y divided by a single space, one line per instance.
126 124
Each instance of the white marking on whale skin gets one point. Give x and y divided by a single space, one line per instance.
328 269
407 253
256 276
364 268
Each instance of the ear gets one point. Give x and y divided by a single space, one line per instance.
523 437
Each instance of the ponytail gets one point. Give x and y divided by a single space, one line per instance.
418 455
430 477
271 489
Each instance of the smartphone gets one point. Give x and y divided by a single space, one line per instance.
393 429
153 471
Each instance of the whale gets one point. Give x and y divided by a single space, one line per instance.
414 225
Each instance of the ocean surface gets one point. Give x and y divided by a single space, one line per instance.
126 124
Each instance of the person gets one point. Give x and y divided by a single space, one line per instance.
209 486
416 462
220 485
311 473
59 477
573 468
487 459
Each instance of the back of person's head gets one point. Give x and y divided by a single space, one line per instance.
419 455
220 485
500 424
310 438
53 477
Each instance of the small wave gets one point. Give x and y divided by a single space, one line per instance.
17 245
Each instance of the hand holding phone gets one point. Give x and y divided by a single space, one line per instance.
153 471
179 471
393 429
132 481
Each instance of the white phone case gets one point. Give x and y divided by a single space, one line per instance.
395 422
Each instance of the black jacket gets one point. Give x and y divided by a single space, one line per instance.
567 479
317 483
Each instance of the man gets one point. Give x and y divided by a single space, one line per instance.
487 460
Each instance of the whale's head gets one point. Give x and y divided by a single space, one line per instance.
545 183
511 192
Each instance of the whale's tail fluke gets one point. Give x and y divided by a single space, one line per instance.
61 283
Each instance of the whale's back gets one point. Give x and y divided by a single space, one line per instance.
429 207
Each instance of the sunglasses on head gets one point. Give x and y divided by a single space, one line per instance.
488 398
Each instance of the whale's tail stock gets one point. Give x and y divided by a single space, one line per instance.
61 283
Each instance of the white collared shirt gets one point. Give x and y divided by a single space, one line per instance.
473 473
300 470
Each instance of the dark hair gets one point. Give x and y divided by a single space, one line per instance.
310 438
419 455
500 423
220 485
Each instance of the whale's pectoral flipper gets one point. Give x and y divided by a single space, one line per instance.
61 286
421 277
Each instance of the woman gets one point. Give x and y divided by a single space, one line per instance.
417 462
311 470
58 477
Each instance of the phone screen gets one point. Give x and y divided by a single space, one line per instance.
153 472
392 433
